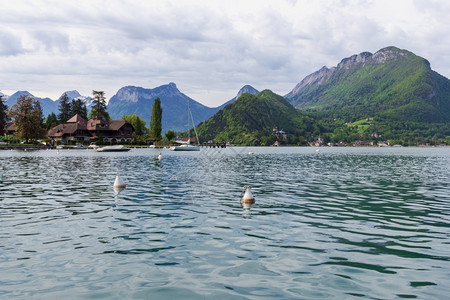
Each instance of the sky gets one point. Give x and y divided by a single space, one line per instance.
210 49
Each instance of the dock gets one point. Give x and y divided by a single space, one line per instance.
214 145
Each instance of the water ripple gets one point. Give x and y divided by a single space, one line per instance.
341 223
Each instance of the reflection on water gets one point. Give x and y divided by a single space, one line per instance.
332 224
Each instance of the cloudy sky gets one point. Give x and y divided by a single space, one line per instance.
210 49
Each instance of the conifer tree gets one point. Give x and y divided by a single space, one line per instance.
64 109
155 120
99 108
79 107
51 121
3 115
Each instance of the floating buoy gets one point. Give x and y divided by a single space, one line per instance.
118 183
117 191
160 156
317 150
251 153
248 196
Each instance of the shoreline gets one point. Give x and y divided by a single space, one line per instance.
27 147
44 147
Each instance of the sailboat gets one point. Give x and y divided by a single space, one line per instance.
186 146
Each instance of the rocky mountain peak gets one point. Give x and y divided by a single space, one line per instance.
349 62
128 93
388 54
168 89
71 94
317 77
247 89
362 59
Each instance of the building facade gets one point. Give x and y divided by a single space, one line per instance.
78 129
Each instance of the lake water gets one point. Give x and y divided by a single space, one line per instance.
341 223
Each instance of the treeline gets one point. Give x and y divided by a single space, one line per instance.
67 109
262 119
31 125
406 133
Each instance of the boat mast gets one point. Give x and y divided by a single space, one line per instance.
195 130
193 125
189 126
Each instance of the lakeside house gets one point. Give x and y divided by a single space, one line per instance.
318 143
78 129
10 128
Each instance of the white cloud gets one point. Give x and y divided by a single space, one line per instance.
10 44
209 48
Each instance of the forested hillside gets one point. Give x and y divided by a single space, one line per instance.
251 120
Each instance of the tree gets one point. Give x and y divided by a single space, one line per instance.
51 121
3 115
138 123
99 108
155 120
27 115
170 135
64 109
79 107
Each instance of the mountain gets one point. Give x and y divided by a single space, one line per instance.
76 95
48 105
245 89
255 120
391 84
137 100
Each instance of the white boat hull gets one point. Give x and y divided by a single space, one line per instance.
185 148
117 148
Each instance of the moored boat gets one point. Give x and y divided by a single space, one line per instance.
115 148
185 147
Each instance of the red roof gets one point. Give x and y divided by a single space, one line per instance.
77 119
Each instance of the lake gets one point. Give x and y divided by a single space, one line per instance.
340 223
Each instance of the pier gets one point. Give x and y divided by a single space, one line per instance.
214 145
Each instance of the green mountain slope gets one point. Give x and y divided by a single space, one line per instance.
251 120
391 84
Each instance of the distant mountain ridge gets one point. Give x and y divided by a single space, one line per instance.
137 100
390 87
392 83
74 94
48 105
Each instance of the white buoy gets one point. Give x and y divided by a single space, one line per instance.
317 150
248 196
251 153
118 183
160 156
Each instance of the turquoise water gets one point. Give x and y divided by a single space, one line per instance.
341 223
